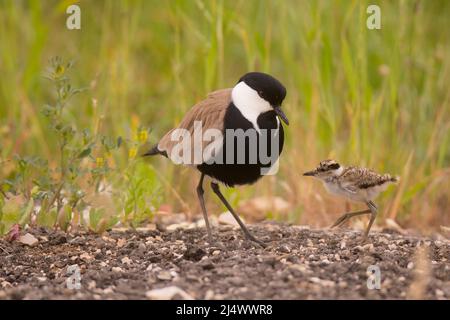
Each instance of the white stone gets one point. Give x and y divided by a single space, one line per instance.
28 239
227 218
126 260
168 293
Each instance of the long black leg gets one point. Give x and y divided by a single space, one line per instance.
248 235
200 193
349 215
374 210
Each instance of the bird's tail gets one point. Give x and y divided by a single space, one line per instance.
152 152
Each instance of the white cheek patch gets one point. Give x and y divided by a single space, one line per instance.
249 103
338 171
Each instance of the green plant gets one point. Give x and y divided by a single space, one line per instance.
80 173
141 193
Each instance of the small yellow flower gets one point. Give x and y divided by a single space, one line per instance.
59 70
34 190
143 136
100 162
132 153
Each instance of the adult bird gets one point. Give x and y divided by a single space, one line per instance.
234 136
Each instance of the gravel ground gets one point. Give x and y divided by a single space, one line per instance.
299 263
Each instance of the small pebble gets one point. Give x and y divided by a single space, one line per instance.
345 253
164 275
86 257
126 260
108 290
209 294
392 246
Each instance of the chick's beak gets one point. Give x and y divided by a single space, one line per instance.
281 114
310 173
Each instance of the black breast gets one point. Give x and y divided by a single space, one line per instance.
253 156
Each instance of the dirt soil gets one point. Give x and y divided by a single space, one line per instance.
299 263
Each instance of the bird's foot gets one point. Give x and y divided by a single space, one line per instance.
253 239
365 239
209 238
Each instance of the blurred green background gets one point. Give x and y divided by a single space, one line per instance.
377 98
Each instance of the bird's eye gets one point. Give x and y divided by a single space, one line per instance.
334 166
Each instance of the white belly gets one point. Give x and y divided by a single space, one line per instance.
374 191
336 189
360 195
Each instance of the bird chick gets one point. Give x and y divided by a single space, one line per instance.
354 183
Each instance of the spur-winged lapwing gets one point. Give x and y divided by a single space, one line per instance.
234 136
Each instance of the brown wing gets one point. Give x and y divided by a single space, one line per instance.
210 112
362 178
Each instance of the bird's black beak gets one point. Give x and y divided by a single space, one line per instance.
281 114
310 173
